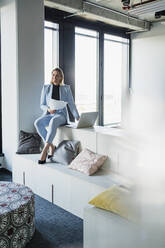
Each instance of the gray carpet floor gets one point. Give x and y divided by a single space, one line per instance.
55 227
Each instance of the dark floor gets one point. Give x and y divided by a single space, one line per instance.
55 227
5 175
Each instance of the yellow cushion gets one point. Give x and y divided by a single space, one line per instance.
115 199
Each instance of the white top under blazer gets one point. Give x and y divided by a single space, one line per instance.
65 95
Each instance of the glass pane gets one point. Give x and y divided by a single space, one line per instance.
112 82
51 25
55 49
85 31
48 54
115 38
85 72
51 50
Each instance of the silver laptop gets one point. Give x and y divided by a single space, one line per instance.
86 120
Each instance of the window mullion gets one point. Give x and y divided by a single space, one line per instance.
101 79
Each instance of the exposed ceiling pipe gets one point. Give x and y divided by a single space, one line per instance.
142 3
99 13
135 31
147 7
160 21
120 17
83 11
106 8
74 14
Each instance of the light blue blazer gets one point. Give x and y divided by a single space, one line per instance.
65 95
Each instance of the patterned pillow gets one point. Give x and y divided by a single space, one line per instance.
87 162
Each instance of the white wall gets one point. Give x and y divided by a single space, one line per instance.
148 78
9 79
147 115
147 102
30 19
22 25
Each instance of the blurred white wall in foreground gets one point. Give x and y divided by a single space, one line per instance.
147 119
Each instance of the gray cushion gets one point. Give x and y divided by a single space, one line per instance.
66 151
29 143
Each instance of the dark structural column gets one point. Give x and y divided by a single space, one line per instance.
0 97
67 53
101 78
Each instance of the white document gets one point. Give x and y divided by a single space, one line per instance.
57 104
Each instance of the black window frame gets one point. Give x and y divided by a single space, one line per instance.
67 23
1 154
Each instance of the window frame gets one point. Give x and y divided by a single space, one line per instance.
1 154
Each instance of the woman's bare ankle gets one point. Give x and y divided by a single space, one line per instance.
51 149
44 152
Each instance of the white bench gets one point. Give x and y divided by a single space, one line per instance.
70 189
107 230
58 184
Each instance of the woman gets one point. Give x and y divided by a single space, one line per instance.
54 118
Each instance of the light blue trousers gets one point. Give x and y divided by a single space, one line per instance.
52 121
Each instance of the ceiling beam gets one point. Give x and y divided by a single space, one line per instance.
114 17
100 13
65 5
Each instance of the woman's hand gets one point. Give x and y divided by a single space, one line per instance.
51 111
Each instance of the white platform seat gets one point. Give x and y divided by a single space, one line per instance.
119 145
104 229
71 189
58 184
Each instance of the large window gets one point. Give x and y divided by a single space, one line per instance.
115 69
51 48
95 61
86 52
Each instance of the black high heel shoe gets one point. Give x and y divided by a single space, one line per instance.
50 156
41 161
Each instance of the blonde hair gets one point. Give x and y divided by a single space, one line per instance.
60 71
